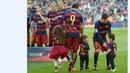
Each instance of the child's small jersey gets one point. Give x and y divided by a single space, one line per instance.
73 18
84 48
51 15
113 47
41 25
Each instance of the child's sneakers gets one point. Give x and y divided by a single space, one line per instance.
56 69
81 69
108 68
87 68
113 70
95 67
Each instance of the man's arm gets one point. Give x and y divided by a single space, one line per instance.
109 48
81 25
109 29
108 51
81 28
44 19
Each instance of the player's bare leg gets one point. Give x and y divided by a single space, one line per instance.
70 61
75 47
74 58
96 54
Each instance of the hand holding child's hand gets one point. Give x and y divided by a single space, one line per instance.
104 45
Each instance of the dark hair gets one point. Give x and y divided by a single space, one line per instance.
104 16
60 34
75 6
82 38
111 36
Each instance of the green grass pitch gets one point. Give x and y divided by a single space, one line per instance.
120 60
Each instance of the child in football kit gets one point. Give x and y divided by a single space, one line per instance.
111 53
58 51
84 52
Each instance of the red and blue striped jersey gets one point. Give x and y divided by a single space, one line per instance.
52 16
84 49
101 30
41 25
73 19
60 16
113 47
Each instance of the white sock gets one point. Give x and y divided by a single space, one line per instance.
59 59
55 63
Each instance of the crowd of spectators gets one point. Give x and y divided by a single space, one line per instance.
93 9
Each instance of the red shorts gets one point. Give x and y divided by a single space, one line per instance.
28 39
50 38
41 39
98 45
72 42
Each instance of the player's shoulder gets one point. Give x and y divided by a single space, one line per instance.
34 15
68 11
108 22
78 12
49 12
110 45
65 9
97 23
75 11
114 44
